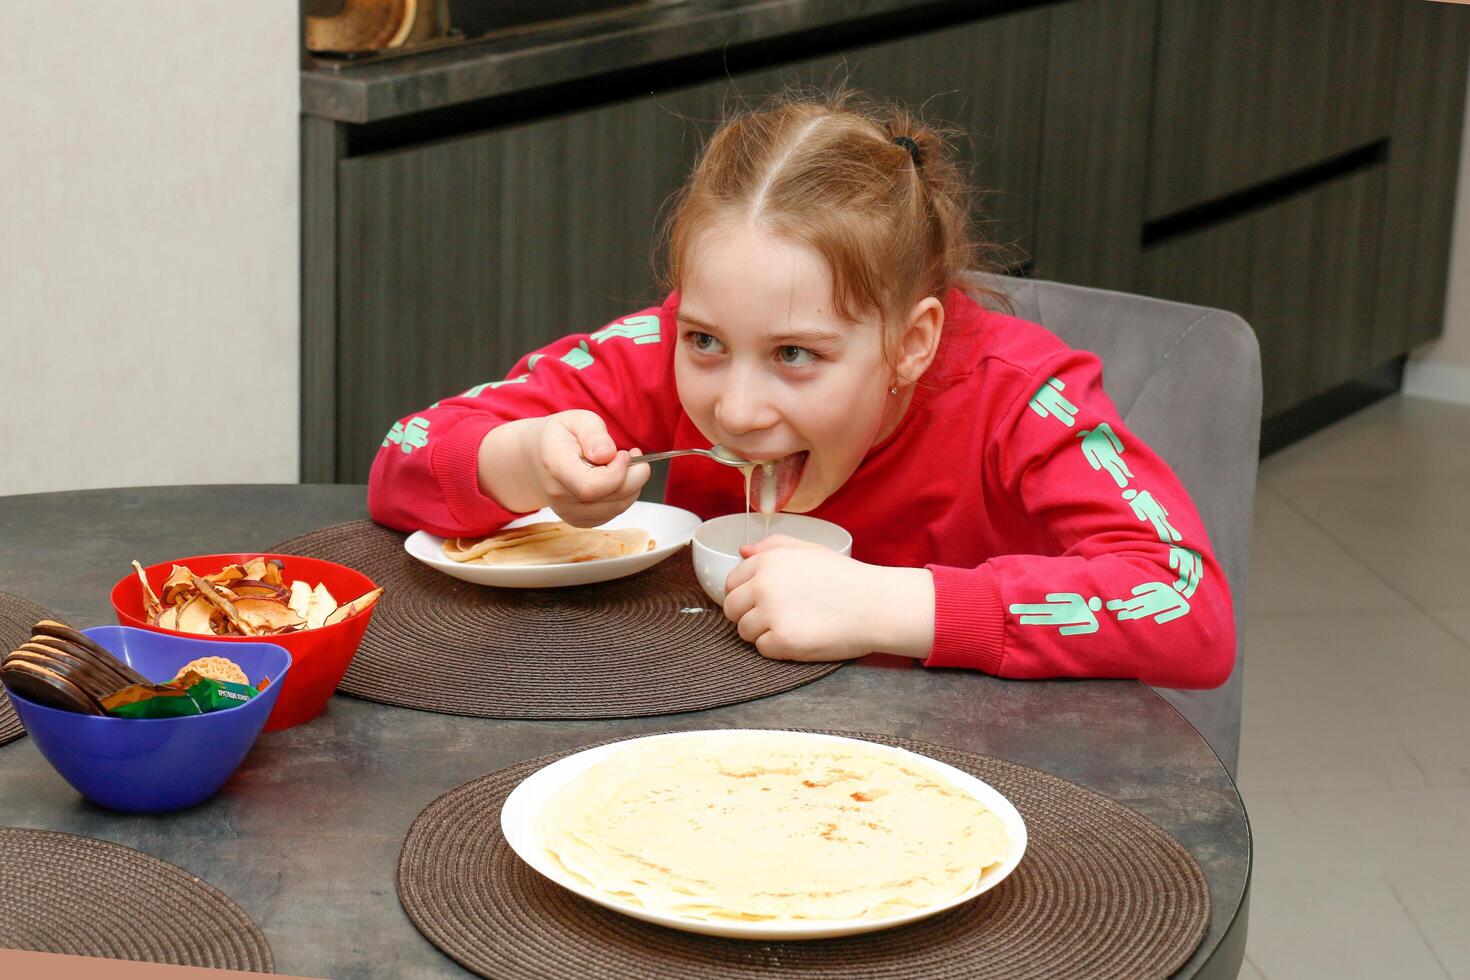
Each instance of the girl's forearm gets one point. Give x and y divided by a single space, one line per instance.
903 623
503 466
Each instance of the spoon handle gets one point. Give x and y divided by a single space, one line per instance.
660 457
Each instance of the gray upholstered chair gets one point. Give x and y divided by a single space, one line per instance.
1187 379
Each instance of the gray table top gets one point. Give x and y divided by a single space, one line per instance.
305 837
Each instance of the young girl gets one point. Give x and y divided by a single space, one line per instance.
1003 517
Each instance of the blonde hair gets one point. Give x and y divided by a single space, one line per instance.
824 170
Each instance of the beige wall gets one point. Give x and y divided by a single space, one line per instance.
149 313
1441 368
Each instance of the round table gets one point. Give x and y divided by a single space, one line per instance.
305 837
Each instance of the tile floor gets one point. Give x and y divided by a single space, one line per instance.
1355 743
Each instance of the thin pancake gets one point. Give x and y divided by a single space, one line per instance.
771 826
548 543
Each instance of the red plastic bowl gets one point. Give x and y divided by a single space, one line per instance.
319 657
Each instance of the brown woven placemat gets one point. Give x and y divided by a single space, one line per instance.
18 618
648 644
65 894
1101 892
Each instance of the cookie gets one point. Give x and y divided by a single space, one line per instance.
216 669
63 648
61 631
46 687
83 675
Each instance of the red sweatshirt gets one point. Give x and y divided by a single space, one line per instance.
1060 544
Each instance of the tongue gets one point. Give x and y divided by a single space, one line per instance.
772 485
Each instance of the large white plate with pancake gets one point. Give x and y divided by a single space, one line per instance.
525 809
670 527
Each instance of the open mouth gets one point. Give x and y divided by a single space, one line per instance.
773 482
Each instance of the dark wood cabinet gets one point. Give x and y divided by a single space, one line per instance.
1248 90
1292 160
1099 59
1300 272
457 257
1423 161
1302 173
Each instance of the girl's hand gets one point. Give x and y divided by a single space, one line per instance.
799 601
578 470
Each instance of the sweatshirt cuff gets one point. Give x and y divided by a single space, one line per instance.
969 619
456 464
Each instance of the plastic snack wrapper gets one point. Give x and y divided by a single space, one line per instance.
189 694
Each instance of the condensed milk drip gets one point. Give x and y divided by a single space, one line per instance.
767 503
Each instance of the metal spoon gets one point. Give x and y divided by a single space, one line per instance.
760 472
717 453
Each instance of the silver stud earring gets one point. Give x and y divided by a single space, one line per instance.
893 390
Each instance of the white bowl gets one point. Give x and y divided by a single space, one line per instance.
671 528
521 814
717 543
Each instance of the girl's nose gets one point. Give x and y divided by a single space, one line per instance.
744 406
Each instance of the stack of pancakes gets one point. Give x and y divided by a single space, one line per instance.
60 667
548 543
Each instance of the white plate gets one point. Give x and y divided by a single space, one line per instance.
670 527
518 818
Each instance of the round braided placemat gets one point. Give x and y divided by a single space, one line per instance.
648 644
65 894
18 618
1101 892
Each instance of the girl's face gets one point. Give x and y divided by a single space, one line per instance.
766 367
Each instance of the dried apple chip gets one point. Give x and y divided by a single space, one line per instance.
361 604
151 605
255 587
322 606
267 615
195 616
227 575
179 586
207 589
300 601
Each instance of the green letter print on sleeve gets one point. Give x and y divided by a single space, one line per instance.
1154 599
639 329
1103 451
1190 566
492 385
1068 610
1048 401
476 391
414 435
578 357
1147 508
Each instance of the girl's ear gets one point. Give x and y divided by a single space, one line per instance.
919 341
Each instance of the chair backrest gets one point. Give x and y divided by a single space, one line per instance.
1187 380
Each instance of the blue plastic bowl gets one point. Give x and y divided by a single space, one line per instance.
151 765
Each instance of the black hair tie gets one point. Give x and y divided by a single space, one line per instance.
909 145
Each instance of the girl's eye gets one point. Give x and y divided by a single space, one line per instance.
703 342
793 356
